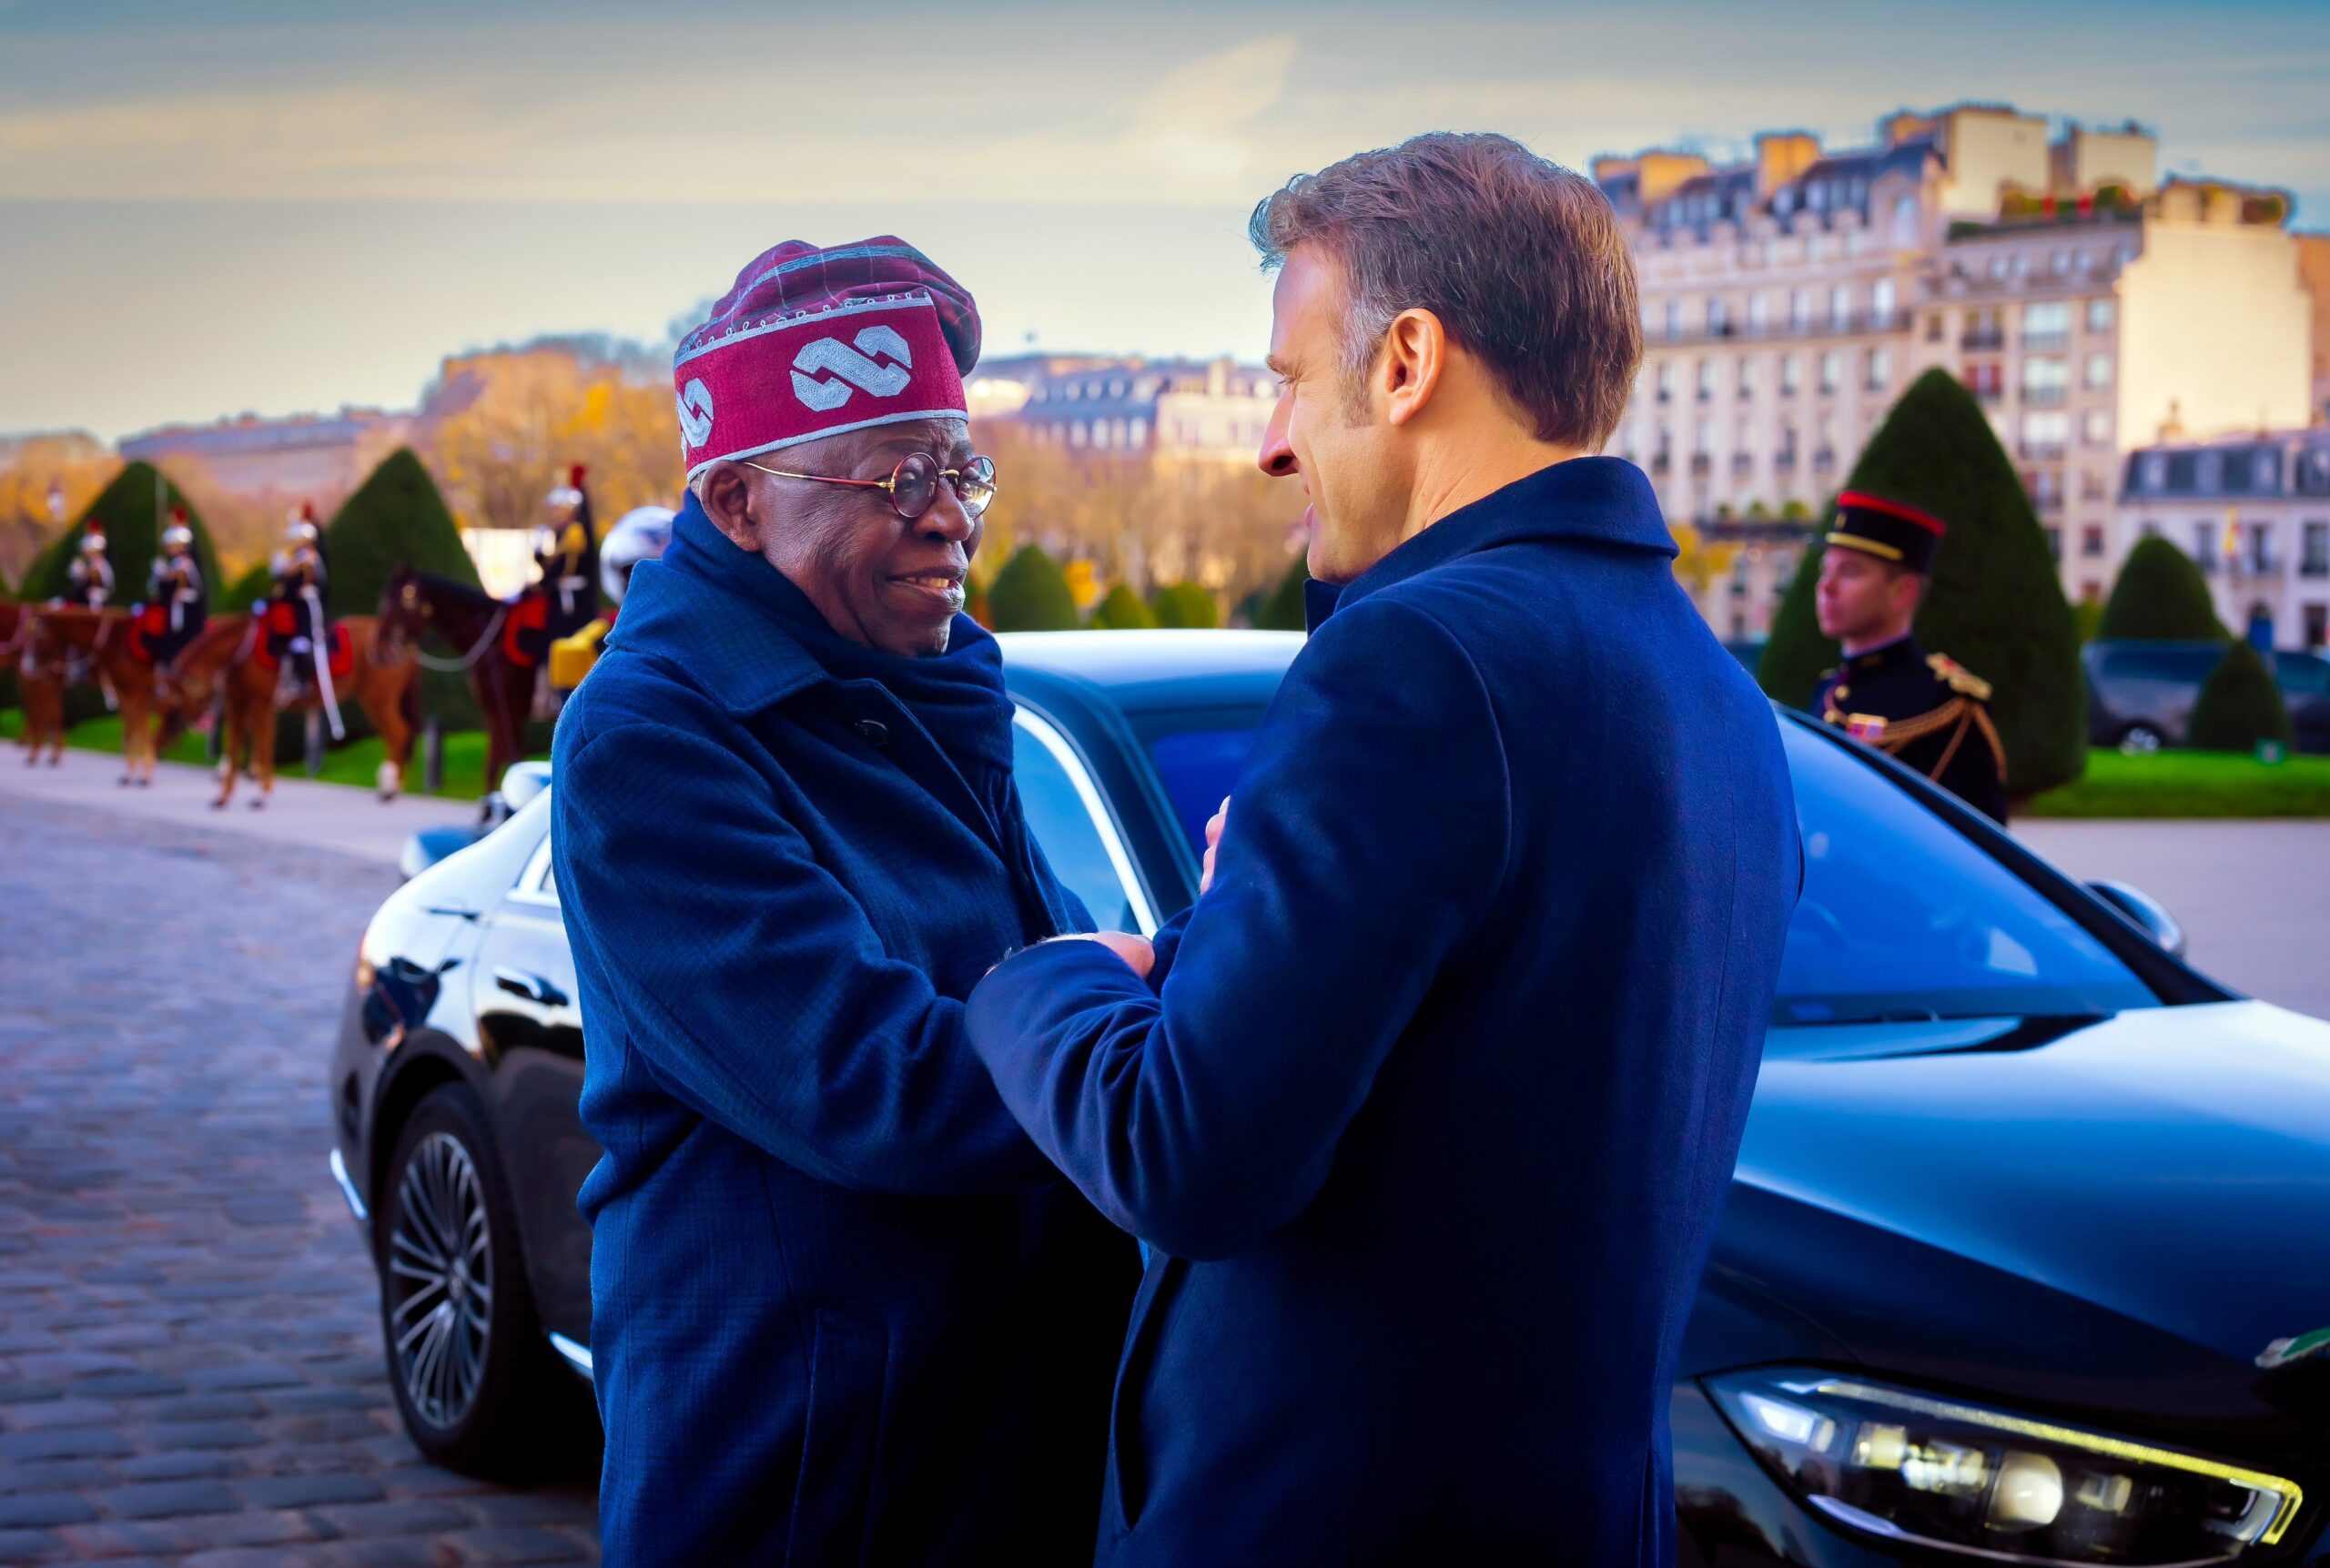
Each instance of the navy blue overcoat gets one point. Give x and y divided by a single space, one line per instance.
843 1311
1431 1112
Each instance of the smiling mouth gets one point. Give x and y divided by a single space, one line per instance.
945 587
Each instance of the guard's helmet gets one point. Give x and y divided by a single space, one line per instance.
568 496
93 542
641 534
178 536
300 532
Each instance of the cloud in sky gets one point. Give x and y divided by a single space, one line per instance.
240 178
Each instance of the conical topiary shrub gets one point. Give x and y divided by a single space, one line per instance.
1122 610
2160 595
1996 605
1186 604
2238 704
132 508
396 518
1283 610
1030 594
245 591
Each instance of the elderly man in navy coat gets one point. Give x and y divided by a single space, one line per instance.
843 1311
1428 1109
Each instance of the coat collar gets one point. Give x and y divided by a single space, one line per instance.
1590 500
705 608
1902 649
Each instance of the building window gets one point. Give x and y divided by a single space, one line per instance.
2091 541
2264 473
1703 438
2096 427
2046 324
1832 371
1716 320
1983 330
1997 269
2204 543
1935 327
1880 370
1788 375
1755 313
2155 471
1800 309
1666 380
1880 301
2317 625
2313 549
1840 307
1746 379
2045 381
1141 433
2045 434
2058 263
1673 318
2208 471
2054 543
2098 314
1987 382
1076 433
1706 380
2099 372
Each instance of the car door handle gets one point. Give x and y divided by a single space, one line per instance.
533 988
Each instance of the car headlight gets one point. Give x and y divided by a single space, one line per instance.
1905 1467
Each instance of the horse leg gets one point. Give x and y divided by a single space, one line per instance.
231 746
395 741
263 744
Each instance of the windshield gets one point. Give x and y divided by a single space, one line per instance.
1903 917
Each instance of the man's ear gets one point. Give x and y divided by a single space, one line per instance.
1411 363
726 495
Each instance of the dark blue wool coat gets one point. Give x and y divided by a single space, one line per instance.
842 1312
1431 1116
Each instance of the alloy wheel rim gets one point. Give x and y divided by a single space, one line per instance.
441 1272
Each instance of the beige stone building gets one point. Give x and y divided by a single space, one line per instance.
1788 299
2254 512
1213 409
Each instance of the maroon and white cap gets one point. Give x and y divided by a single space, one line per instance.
813 342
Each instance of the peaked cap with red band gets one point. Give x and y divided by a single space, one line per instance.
813 342
1889 530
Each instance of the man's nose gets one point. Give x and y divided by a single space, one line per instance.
1277 455
946 520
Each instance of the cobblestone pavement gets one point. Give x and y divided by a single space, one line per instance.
191 1366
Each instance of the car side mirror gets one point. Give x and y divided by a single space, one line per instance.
2144 912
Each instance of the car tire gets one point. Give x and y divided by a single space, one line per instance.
2141 740
479 1387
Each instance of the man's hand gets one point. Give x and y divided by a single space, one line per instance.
1137 955
1214 824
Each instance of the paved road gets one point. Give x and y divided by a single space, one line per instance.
2254 896
190 1362
318 815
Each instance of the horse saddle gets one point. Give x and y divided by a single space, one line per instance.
282 624
525 630
149 623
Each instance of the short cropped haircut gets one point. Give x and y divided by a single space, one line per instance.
1522 259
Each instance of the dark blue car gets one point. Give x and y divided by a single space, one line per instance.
2020 1264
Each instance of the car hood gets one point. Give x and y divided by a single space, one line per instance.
2115 1216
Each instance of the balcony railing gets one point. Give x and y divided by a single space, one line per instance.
1660 463
2042 452
1743 463
2210 565
1824 458
2040 341
1784 459
1987 396
1979 342
2257 563
1770 331
2313 566
2044 397
1700 464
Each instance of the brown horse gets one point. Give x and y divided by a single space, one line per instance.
69 646
414 603
42 693
224 664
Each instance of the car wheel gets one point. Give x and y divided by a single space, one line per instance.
2141 740
472 1373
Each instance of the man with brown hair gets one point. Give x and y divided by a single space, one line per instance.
1426 1109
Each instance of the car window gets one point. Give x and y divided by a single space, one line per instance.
1198 768
539 881
2302 674
1069 821
2190 664
1904 917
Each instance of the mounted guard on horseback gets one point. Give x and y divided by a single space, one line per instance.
89 578
299 628
178 601
640 534
567 556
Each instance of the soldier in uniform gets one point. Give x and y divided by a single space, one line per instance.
1921 708
570 559
91 574
176 586
300 582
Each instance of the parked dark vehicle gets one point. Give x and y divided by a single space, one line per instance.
2023 1202
2140 694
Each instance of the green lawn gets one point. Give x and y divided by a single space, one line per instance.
357 764
2190 784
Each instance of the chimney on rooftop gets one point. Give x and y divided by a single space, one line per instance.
1781 156
1663 171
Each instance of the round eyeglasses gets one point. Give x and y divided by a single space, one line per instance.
913 485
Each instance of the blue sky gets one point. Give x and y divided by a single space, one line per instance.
252 204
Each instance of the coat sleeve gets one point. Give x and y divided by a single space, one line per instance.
1367 840
752 983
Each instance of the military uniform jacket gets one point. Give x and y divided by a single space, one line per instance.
1925 711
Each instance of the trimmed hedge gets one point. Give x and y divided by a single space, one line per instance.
1186 604
2160 595
2240 704
1996 604
1030 594
1122 610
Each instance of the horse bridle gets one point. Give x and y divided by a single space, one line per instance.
414 603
